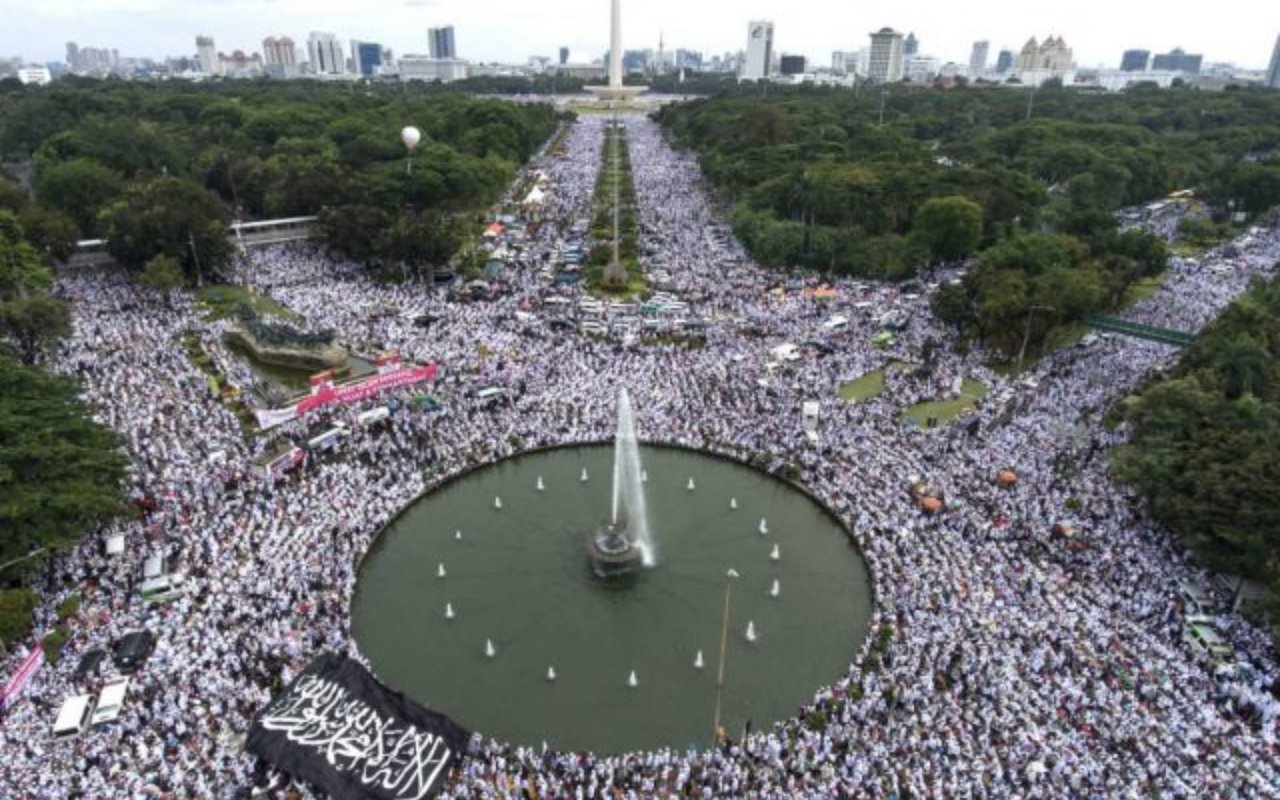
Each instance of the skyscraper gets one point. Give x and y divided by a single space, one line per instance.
440 42
759 49
207 55
1004 61
885 63
1273 72
366 57
910 45
325 54
280 57
1176 60
978 58
1135 60
73 56
564 56
792 65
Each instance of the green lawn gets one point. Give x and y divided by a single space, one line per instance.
863 388
223 300
971 391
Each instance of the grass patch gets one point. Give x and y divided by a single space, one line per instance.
222 301
945 411
1143 289
863 388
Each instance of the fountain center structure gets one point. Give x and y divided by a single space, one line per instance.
624 544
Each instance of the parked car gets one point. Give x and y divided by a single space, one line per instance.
73 717
132 650
110 701
90 664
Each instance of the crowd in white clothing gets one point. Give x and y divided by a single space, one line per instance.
1015 666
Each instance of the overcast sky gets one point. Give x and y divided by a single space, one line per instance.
513 30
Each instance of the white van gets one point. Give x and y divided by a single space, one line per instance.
110 701
163 588
73 717
836 323
372 415
327 440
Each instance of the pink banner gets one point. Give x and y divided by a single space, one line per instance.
26 671
350 393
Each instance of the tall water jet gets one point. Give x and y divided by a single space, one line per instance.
632 681
775 589
775 554
440 573
751 630
584 475
542 487
697 661
690 487
489 650
457 535
625 541
764 526
448 611
497 503
551 674
733 502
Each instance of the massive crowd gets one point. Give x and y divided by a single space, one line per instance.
1015 666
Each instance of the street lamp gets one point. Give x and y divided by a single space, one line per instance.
724 643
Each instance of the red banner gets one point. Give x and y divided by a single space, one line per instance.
26 671
351 393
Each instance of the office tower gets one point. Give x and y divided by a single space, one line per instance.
1004 61
207 55
791 65
759 49
885 63
325 54
73 56
1273 72
1134 60
564 56
366 57
440 42
279 57
1177 61
910 45
1052 56
978 58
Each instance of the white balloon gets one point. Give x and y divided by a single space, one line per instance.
410 136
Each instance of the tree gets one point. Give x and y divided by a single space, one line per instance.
52 233
951 227
79 188
61 473
173 217
34 323
162 274
30 318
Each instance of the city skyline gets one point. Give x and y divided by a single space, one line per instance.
509 31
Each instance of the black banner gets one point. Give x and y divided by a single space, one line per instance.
338 728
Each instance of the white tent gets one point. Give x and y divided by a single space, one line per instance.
535 197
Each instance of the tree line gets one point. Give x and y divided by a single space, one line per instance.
161 169
889 182
1204 449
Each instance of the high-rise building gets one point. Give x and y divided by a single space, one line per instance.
324 51
759 49
73 56
1273 72
978 58
791 65
1004 61
564 56
1051 57
1134 60
279 57
366 57
207 54
885 62
1176 60
910 45
440 42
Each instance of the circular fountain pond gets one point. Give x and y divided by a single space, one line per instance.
519 599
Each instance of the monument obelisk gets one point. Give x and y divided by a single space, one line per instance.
615 92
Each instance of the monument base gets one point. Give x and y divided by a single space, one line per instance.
616 95
612 554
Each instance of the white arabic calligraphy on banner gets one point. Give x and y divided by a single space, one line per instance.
358 741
